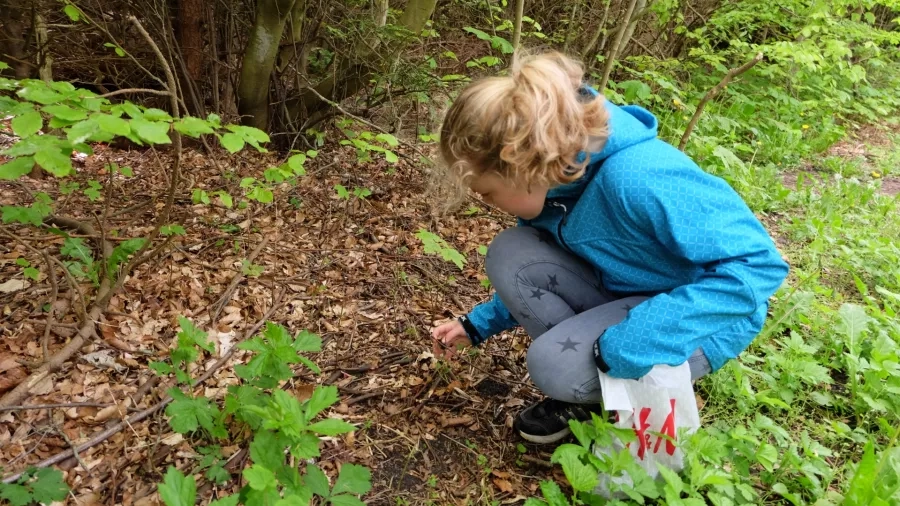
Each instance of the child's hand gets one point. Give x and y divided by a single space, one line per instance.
448 337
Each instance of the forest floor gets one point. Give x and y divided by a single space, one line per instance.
350 270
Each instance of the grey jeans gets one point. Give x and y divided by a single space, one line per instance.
559 300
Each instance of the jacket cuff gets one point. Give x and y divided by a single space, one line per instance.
598 357
471 331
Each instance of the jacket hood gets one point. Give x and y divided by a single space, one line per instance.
628 125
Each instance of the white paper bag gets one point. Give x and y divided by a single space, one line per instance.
662 402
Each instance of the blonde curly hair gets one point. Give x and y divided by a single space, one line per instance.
529 127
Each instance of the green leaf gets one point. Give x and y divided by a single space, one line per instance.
307 341
482 250
388 139
331 427
861 488
31 273
232 142
154 114
27 124
16 168
317 481
231 500
54 161
553 494
49 486
322 397
124 250
112 124
259 478
191 334
75 247
767 455
168 230
267 449
226 199
161 368
354 479
478 33
64 112
23 215
582 477
391 157
853 322
178 490
154 133
17 495
193 127
671 477
73 12
345 500
82 131
292 500
126 171
186 414
342 191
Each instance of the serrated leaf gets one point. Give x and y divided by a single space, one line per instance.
767 455
553 494
23 215
317 481
231 500
49 486
232 142
27 124
161 368
259 478
192 334
342 191
861 489
582 477
154 133
168 230
75 247
178 490
31 273
331 427
322 397
354 479
307 341
853 322
16 168
267 449
16 494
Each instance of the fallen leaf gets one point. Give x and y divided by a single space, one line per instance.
173 439
13 285
503 485
43 387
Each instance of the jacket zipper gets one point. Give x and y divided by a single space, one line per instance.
562 222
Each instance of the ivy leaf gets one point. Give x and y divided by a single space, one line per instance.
259 478
232 142
16 168
154 133
317 481
178 490
27 124
354 479
331 427
49 486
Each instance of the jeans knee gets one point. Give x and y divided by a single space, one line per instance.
546 378
504 250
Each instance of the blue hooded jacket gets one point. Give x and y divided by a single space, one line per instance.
651 222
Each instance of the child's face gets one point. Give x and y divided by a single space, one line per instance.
518 201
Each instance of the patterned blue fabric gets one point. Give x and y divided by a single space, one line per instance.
651 222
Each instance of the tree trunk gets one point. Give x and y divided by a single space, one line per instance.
190 27
292 51
640 9
13 45
614 50
517 24
381 12
259 60
601 30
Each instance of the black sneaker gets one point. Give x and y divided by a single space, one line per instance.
548 420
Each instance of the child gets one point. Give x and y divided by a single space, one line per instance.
626 254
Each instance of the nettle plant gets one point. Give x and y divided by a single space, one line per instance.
285 432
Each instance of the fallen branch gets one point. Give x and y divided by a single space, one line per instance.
226 296
63 405
535 460
135 90
712 93
142 415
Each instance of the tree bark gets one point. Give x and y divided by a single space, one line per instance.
517 24
614 50
259 60
592 43
190 26
381 12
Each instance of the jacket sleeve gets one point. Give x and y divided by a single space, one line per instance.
701 219
489 318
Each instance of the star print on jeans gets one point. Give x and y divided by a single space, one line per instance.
537 294
578 309
553 282
544 236
568 344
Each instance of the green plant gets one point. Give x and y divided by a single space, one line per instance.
43 486
436 246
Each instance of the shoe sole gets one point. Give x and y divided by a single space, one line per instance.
549 438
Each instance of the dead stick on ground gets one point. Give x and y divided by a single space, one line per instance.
137 417
220 304
535 460
712 93
65 405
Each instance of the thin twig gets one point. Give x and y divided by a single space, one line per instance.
65 436
135 90
54 293
61 405
137 417
712 93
